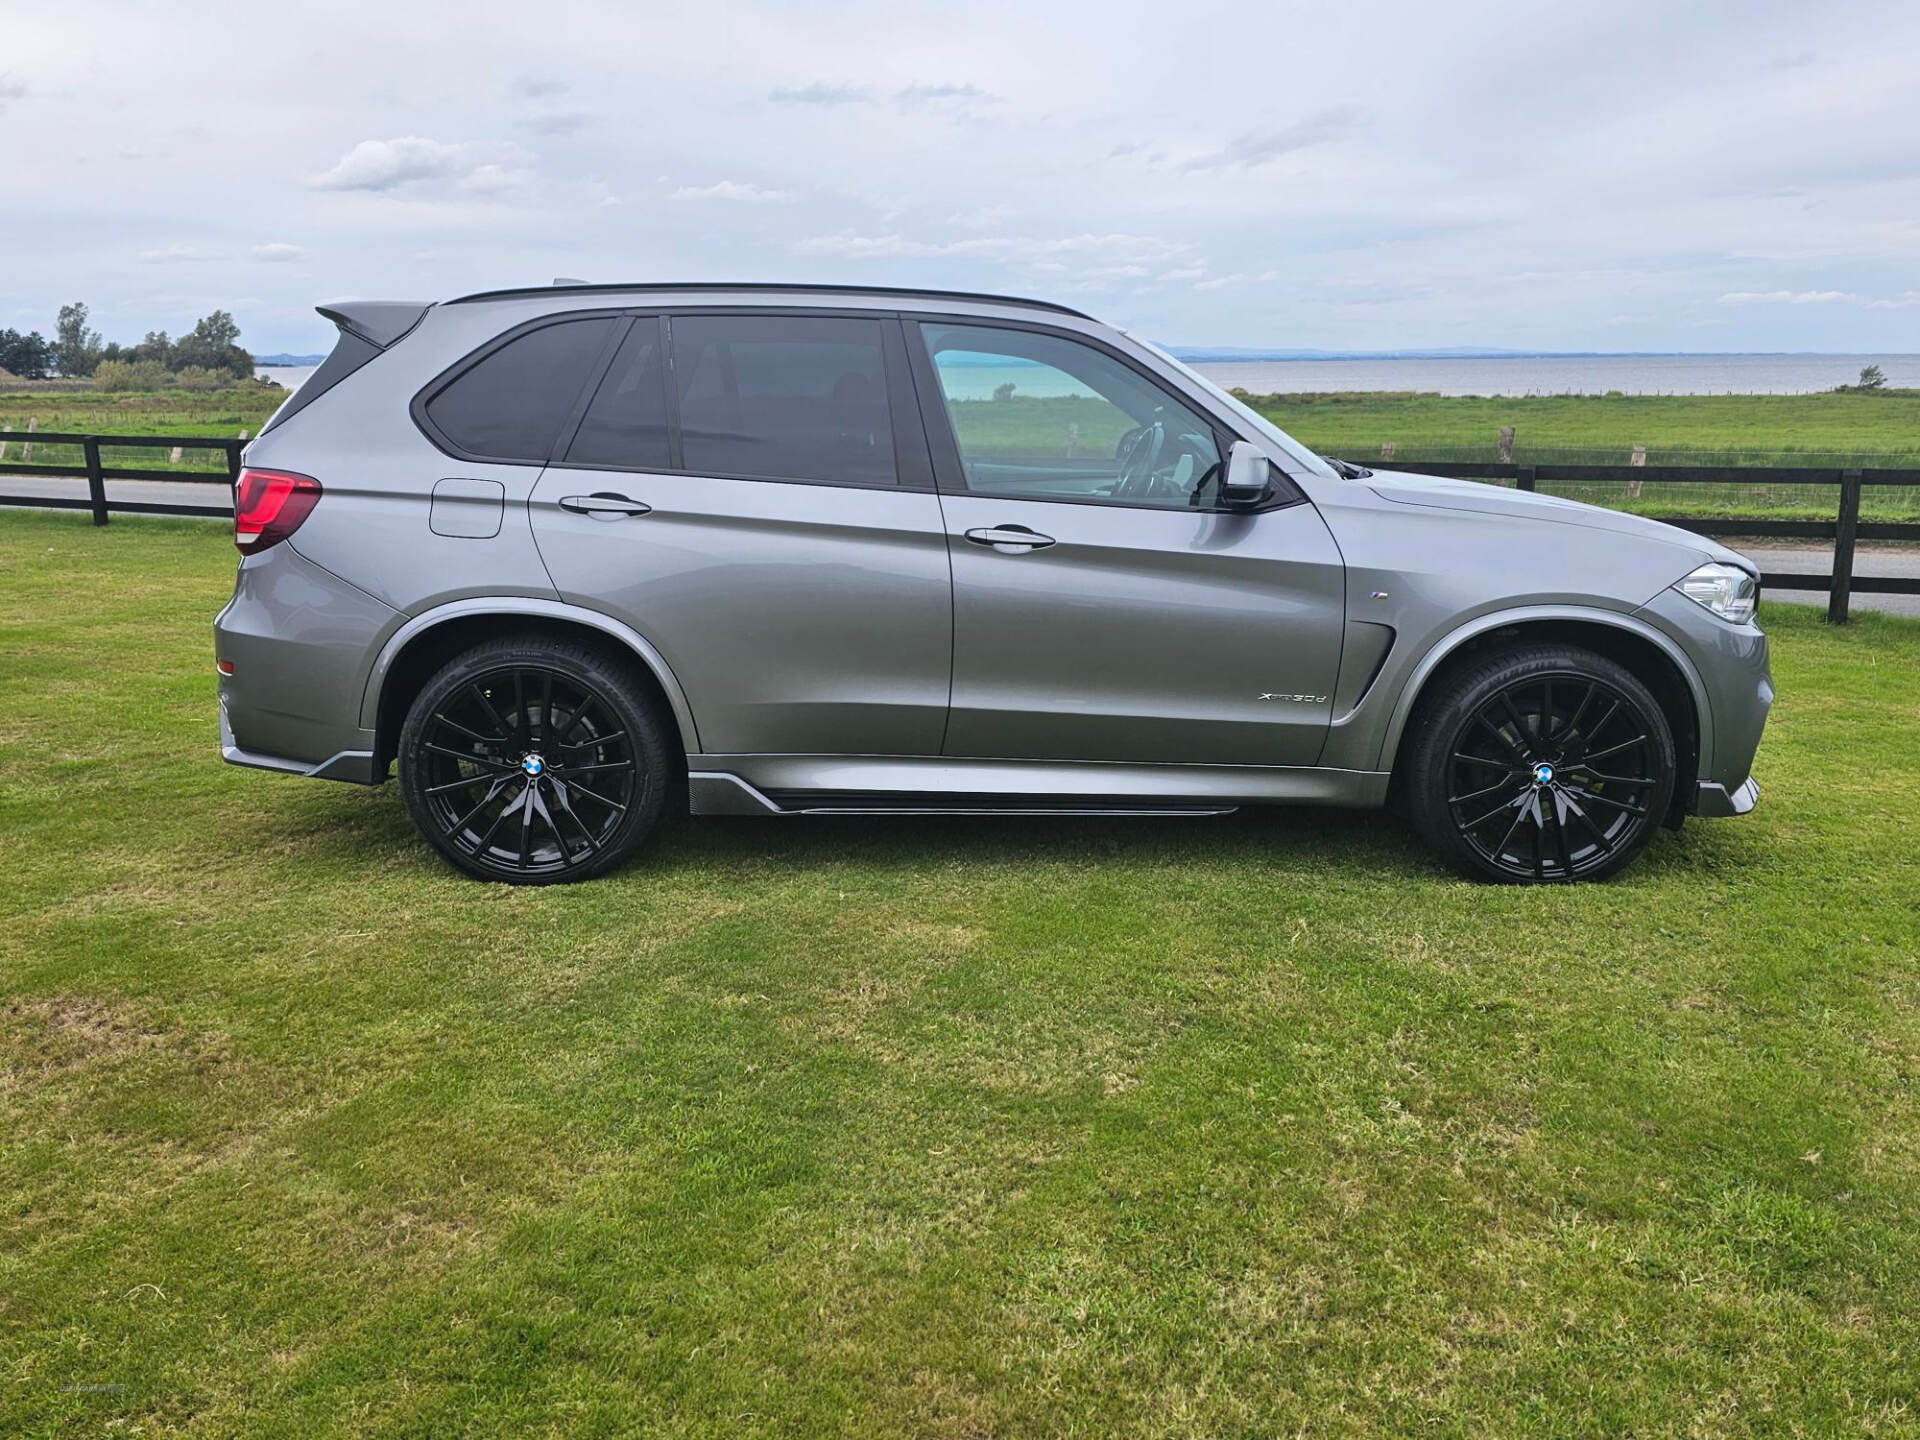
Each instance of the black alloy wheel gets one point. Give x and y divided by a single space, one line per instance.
533 762
1548 764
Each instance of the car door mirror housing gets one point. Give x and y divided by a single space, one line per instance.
1249 475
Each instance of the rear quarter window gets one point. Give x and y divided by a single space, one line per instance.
511 403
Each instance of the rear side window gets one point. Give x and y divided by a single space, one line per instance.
783 397
626 425
511 405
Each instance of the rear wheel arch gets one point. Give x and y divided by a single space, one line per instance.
1650 658
415 653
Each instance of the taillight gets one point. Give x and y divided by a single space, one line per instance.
268 506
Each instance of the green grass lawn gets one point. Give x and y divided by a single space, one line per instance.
1244 1127
1820 430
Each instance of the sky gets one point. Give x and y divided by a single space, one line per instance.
1396 174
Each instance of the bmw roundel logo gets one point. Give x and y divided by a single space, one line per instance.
1542 773
533 765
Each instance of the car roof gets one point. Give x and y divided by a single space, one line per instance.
750 289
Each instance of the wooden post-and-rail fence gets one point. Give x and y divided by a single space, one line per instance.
1844 530
96 472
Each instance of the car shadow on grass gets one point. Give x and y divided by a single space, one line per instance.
372 830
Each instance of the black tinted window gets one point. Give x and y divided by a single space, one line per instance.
790 397
511 405
626 425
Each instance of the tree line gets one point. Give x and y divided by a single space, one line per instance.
210 349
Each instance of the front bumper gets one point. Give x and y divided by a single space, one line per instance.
1735 694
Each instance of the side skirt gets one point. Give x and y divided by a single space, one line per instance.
840 785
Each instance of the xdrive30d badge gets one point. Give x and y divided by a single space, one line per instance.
569 557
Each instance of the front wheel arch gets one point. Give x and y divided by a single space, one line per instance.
1651 659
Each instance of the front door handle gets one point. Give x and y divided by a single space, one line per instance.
605 505
1010 539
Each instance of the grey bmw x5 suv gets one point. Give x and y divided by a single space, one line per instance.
570 556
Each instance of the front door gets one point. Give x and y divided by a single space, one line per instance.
773 532
1103 607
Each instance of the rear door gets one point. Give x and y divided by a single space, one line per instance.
1104 607
752 493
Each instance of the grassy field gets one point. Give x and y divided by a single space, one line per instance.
1825 430
1254 1126
223 412
1755 429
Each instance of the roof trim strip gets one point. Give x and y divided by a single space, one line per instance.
713 287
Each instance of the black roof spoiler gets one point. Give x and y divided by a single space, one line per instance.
378 322
752 287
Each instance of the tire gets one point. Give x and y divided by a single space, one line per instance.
534 761
1540 764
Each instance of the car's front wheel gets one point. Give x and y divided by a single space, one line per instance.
534 761
1541 763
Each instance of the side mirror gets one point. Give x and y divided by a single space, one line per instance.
1249 475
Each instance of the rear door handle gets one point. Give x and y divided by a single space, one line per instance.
605 505
1010 539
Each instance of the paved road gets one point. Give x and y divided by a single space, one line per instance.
1818 560
153 492
1790 559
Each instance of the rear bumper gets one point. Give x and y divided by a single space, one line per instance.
1716 802
354 766
293 644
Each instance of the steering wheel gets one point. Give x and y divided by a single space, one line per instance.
1138 453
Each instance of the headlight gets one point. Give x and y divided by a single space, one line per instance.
1727 590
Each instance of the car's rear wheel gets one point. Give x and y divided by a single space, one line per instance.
1543 763
534 761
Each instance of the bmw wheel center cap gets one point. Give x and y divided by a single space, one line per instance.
533 765
1543 773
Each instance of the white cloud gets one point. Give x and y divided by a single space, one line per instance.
492 179
380 165
821 93
1789 297
175 254
1263 147
941 94
1904 301
1117 248
731 190
279 251
558 122
826 93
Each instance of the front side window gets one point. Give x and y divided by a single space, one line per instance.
511 405
1041 417
783 398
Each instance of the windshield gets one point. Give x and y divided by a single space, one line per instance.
1299 453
